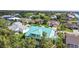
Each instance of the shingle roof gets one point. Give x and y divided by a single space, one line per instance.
72 38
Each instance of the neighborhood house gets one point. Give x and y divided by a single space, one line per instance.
17 27
37 32
72 39
53 23
10 17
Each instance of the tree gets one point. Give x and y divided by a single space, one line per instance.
46 42
35 17
4 23
17 40
60 41
30 43
27 14
62 27
1 42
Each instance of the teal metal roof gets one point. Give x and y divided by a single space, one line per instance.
38 31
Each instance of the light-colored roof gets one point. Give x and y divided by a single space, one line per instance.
4 16
76 15
13 18
71 16
58 14
54 16
17 26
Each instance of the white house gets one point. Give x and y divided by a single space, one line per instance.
10 17
14 18
54 17
6 16
17 27
70 16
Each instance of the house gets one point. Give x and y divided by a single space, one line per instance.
71 26
70 16
58 13
33 21
17 15
25 20
54 17
17 27
6 16
14 18
26 28
53 23
10 17
76 15
72 39
39 21
37 32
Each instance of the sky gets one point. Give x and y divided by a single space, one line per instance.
39 5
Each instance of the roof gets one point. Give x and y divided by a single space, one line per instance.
71 16
14 18
72 38
6 16
57 13
16 26
10 17
53 23
54 17
40 30
72 26
76 15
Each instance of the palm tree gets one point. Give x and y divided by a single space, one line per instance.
30 43
46 42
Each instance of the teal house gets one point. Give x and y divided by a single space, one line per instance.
37 32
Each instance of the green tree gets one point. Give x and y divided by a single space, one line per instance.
27 15
17 41
4 23
30 43
1 42
60 41
46 42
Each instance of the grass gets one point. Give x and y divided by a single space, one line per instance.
40 25
68 30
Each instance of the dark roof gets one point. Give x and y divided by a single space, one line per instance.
72 26
72 39
53 23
